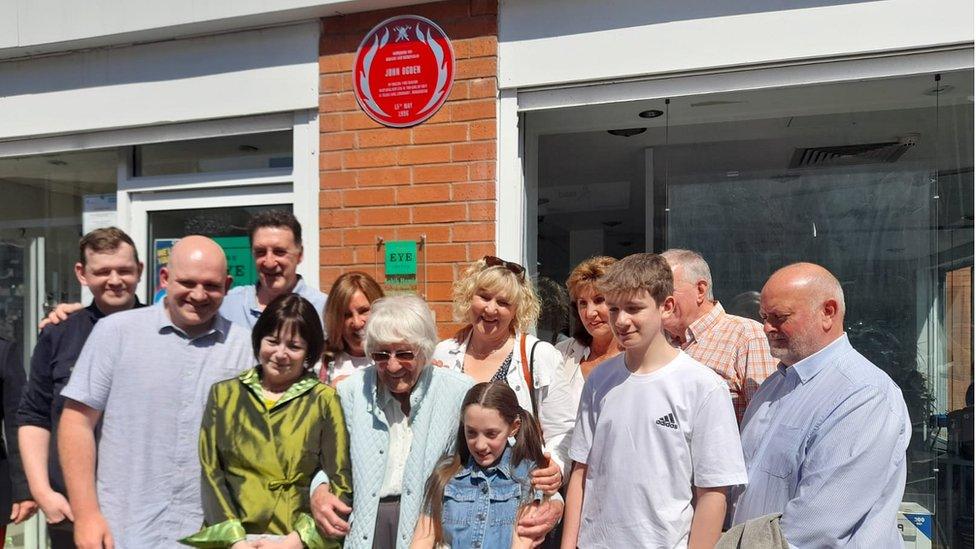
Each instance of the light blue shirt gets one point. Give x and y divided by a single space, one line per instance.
241 303
151 382
824 443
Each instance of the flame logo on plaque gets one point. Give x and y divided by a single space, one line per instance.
404 71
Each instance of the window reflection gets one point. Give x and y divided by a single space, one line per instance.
873 180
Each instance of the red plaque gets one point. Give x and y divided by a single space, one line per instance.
404 71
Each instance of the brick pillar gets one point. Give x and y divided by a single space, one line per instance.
437 178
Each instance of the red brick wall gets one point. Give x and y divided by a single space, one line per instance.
437 178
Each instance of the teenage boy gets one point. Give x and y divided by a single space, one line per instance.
109 266
655 430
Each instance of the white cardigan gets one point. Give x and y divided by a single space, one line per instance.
557 408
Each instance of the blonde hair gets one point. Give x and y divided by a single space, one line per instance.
499 279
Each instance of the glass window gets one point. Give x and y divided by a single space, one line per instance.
49 199
49 202
872 179
219 154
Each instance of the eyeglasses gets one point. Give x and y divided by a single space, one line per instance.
384 356
515 268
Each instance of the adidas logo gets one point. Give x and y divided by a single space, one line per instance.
668 421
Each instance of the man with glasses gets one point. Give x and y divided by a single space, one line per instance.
825 438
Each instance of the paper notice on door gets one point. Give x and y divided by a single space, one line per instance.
98 211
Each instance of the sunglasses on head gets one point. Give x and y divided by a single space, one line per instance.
515 268
384 356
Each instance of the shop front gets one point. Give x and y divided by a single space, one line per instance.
165 148
745 134
757 133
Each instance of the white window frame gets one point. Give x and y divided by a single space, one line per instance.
302 178
297 185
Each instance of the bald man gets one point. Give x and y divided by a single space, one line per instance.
825 437
146 374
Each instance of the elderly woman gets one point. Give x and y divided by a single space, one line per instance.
386 403
266 433
402 416
346 313
498 304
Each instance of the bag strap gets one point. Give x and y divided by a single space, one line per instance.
528 372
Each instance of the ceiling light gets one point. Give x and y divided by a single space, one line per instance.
627 132
939 89
651 113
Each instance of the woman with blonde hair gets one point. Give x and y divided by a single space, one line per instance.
346 312
498 304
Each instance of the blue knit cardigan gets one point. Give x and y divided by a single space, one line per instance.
435 411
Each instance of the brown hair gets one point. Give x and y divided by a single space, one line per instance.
636 272
275 218
584 277
494 395
290 311
104 240
335 307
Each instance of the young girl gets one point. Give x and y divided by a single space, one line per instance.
475 497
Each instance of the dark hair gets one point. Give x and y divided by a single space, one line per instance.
495 395
104 240
637 272
584 277
295 312
335 307
275 218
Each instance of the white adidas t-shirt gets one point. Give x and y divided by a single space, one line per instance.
646 439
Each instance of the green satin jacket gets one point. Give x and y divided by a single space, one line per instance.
258 462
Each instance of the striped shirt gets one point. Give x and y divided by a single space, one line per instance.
824 443
735 348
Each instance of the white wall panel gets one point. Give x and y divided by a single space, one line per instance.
29 27
546 42
239 74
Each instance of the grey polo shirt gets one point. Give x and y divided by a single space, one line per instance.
151 383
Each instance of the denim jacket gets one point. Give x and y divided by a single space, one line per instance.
480 504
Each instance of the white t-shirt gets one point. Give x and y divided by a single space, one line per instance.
646 439
346 364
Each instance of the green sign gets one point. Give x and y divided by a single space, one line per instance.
400 260
240 263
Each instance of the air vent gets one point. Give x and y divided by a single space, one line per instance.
849 155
